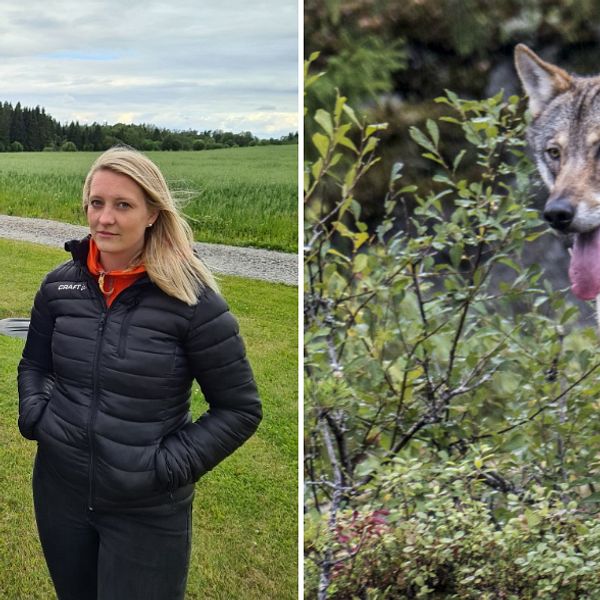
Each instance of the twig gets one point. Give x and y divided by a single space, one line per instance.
327 562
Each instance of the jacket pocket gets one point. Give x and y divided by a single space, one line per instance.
31 417
124 475
164 471
122 347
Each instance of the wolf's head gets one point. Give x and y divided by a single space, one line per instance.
564 137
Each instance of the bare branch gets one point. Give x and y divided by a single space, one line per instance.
326 564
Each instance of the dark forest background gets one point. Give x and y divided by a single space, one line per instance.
33 130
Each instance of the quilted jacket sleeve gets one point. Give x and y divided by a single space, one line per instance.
218 361
35 372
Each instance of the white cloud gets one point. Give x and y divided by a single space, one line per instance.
180 65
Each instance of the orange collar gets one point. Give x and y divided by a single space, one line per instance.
119 280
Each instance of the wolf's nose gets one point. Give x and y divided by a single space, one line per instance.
559 213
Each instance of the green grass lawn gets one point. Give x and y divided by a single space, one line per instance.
239 196
245 511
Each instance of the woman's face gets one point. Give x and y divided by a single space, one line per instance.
118 216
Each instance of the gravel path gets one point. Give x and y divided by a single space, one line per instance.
277 267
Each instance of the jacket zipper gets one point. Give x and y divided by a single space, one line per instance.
94 408
95 379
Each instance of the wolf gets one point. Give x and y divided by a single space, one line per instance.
564 138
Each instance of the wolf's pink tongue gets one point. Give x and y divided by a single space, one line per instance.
584 270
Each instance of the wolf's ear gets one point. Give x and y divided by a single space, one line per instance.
541 80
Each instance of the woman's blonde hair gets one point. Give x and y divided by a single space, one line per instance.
168 254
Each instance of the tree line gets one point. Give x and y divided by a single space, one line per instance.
33 130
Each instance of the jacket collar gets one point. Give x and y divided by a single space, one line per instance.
79 250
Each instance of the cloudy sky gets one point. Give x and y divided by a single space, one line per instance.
180 64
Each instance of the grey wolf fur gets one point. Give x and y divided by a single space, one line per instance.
564 137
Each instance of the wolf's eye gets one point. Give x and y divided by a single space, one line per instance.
553 152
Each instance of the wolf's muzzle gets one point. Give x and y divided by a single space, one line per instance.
559 214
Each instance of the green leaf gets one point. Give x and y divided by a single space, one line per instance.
374 127
360 262
450 120
456 253
533 518
360 239
419 137
340 138
321 143
433 157
408 189
457 160
396 172
316 167
335 159
340 102
452 97
351 115
510 263
323 118
349 179
308 81
342 229
338 254
440 178
434 132
370 146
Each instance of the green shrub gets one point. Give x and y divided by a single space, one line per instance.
428 342
435 539
69 147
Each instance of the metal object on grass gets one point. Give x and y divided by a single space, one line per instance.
14 327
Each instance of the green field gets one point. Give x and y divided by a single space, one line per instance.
245 511
239 196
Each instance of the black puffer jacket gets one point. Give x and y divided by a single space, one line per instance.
106 391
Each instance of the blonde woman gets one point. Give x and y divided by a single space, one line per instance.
117 336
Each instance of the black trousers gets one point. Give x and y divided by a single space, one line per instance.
94 555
